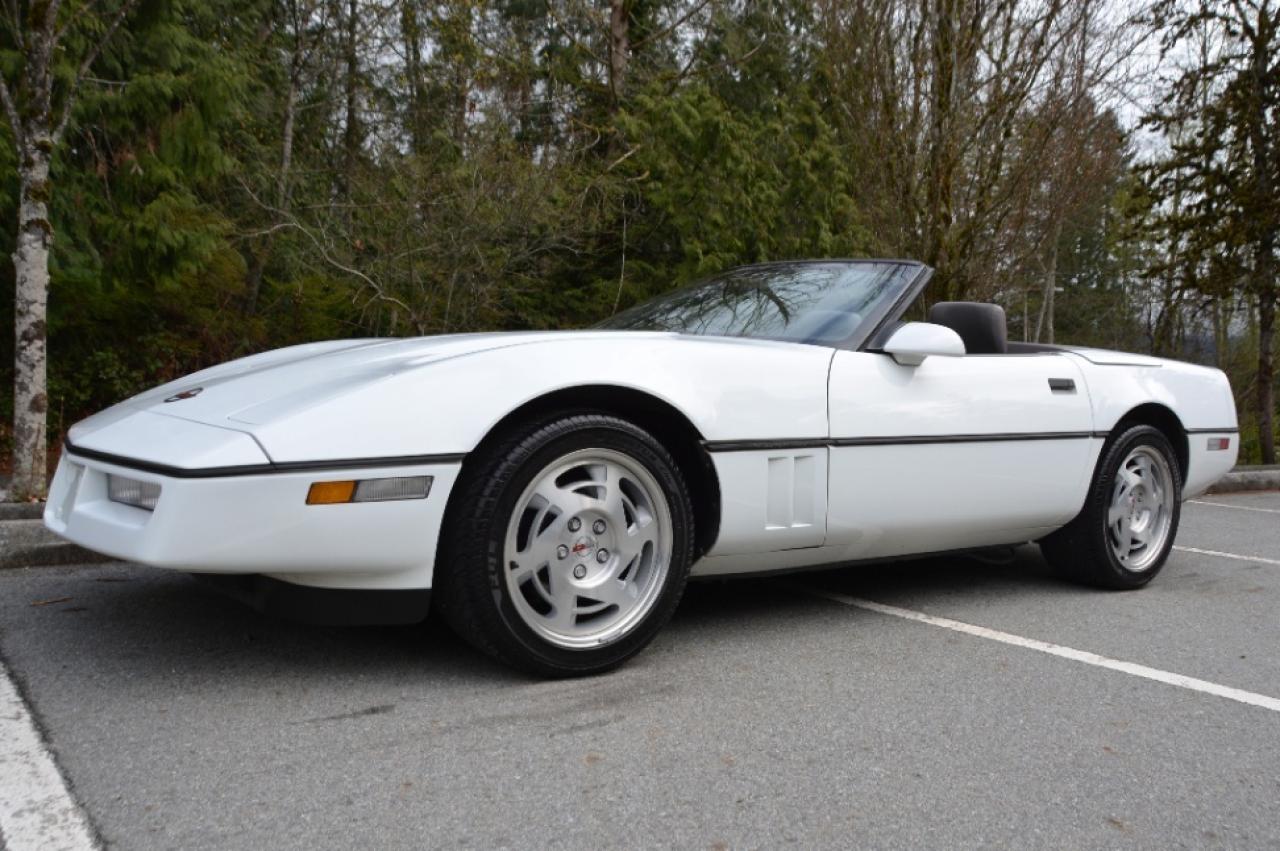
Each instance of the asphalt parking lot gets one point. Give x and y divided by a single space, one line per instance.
943 703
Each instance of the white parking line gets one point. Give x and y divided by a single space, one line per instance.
36 809
1191 683
1236 507
1236 556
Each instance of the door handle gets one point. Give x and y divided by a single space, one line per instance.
1062 385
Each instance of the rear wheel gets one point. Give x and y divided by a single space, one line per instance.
567 547
1123 535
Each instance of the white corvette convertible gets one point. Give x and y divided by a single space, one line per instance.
551 493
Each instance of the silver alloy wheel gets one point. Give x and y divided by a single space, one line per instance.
1141 513
575 586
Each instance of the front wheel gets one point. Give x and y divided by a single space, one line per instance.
568 546
1123 535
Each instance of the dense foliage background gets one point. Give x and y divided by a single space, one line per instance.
244 174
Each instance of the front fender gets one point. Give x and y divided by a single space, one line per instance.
729 389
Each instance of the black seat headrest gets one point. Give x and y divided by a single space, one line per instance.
981 326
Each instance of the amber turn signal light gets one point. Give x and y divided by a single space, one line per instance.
329 493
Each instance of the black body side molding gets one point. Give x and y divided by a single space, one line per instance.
904 440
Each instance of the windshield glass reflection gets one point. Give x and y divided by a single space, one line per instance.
813 302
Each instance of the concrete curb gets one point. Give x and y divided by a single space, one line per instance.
21 510
1241 479
27 543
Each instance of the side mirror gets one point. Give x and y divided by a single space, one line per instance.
915 341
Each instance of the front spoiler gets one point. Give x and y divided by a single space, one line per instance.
322 606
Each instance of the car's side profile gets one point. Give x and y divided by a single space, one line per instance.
549 493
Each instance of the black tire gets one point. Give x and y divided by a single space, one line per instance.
470 591
1082 549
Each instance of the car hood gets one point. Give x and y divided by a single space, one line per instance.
261 388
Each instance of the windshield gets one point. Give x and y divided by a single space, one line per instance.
802 302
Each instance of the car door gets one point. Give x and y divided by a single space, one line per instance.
955 452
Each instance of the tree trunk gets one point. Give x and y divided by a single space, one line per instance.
1219 358
286 144
941 163
412 34
37 128
1262 144
1267 371
619 48
1045 321
351 133
31 268
258 259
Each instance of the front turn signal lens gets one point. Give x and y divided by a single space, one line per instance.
330 493
369 490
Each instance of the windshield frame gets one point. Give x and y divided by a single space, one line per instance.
867 334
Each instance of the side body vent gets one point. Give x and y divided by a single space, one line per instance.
792 480
771 500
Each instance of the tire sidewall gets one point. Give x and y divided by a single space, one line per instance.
513 474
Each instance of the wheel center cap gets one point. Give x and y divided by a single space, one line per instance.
584 545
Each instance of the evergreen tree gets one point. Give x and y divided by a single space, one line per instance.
1217 191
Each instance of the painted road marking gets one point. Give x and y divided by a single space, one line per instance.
1167 677
1236 507
1235 556
36 808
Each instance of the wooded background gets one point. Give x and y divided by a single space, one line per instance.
211 178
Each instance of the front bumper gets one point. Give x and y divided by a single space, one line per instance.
258 523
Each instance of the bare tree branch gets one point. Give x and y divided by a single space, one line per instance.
577 43
289 222
79 10
69 97
12 7
666 31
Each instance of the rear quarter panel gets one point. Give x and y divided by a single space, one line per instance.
1199 396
